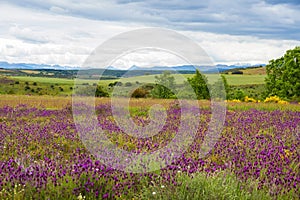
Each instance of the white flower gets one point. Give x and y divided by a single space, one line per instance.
154 193
80 197
162 186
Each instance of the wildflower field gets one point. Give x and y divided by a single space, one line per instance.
42 156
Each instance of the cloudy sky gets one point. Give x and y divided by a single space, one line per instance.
65 32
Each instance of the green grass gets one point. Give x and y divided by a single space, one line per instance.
245 79
232 79
63 86
219 186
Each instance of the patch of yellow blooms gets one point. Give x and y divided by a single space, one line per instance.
272 99
275 99
234 100
249 99
287 153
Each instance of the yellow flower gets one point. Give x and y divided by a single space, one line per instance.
275 99
249 99
234 100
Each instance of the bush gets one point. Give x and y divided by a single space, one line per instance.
140 93
101 92
275 99
237 94
249 99
164 87
237 72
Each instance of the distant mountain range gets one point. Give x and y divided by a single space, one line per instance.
6 65
216 68
209 69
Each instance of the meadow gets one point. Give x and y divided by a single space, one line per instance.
251 84
43 156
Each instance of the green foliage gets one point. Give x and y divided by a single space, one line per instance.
225 83
283 77
165 86
237 94
256 91
101 92
220 89
199 83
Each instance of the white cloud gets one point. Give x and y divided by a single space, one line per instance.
59 10
28 35
241 49
148 58
60 32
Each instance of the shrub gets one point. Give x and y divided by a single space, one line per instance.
275 99
237 72
140 93
237 94
128 84
249 99
101 92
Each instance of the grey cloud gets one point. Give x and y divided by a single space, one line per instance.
27 35
268 19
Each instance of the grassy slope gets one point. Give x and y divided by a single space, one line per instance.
245 79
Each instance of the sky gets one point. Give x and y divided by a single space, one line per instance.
65 32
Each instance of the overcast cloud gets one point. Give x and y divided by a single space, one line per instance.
66 32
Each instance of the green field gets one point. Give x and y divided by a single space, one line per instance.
245 79
232 79
27 85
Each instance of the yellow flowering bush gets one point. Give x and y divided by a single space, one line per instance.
275 99
234 100
283 102
249 99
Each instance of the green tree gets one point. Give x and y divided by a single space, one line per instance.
199 84
283 75
165 86
220 89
